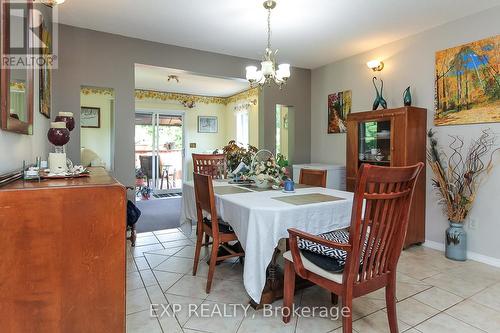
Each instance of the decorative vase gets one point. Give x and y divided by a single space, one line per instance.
456 242
407 97
66 117
379 99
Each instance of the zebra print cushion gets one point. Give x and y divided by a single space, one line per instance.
339 236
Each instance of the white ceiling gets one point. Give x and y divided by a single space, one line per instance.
156 78
309 33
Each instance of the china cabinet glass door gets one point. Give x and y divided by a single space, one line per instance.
375 142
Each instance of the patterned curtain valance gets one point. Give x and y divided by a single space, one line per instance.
97 91
251 94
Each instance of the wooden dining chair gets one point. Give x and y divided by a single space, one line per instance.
313 177
379 222
220 232
210 164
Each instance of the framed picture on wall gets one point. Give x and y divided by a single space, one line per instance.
467 89
208 124
339 106
90 117
45 77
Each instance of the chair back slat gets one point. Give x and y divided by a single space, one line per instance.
379 220
213 165
205 199
313 177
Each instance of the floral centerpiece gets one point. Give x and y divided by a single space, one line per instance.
267 172
236 154
456 180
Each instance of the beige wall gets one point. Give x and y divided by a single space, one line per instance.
253 121
98 139
411 62
111 64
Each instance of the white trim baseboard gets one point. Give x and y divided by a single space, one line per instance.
470 255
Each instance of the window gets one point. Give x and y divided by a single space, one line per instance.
242 127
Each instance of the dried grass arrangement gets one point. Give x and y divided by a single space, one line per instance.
457 178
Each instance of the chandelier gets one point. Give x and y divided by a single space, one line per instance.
268 70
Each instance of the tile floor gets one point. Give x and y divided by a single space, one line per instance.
434 294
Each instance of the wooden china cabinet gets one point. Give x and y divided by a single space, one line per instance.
391 137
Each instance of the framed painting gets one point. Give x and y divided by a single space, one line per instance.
45 78
339 106
208 124
90 117
467 83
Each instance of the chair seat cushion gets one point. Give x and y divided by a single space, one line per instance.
224 227
327 263
322 255
316 269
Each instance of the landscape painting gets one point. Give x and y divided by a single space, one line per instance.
339 106
467 87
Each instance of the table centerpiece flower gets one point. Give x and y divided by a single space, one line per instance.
267 173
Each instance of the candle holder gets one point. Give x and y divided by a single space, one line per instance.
58 135
66 117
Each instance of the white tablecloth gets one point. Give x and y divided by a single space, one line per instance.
260 222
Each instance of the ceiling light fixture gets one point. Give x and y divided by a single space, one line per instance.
375 65
52 3
173 77
268 70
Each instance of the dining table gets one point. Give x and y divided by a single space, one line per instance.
260 218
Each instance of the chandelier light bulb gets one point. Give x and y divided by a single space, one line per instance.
284 70
267 67
251 73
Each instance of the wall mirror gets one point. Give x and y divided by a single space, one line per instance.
16 83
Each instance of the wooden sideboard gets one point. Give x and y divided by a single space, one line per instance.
400 135
63 258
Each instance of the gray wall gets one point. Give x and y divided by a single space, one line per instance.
14 148
411 62
99 59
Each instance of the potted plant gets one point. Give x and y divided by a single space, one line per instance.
456 180
146 192
236 154
139 177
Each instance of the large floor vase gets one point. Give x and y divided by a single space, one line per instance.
456 242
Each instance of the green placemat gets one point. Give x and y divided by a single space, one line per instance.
257 189
221 190
307 199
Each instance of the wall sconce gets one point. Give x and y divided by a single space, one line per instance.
375 65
